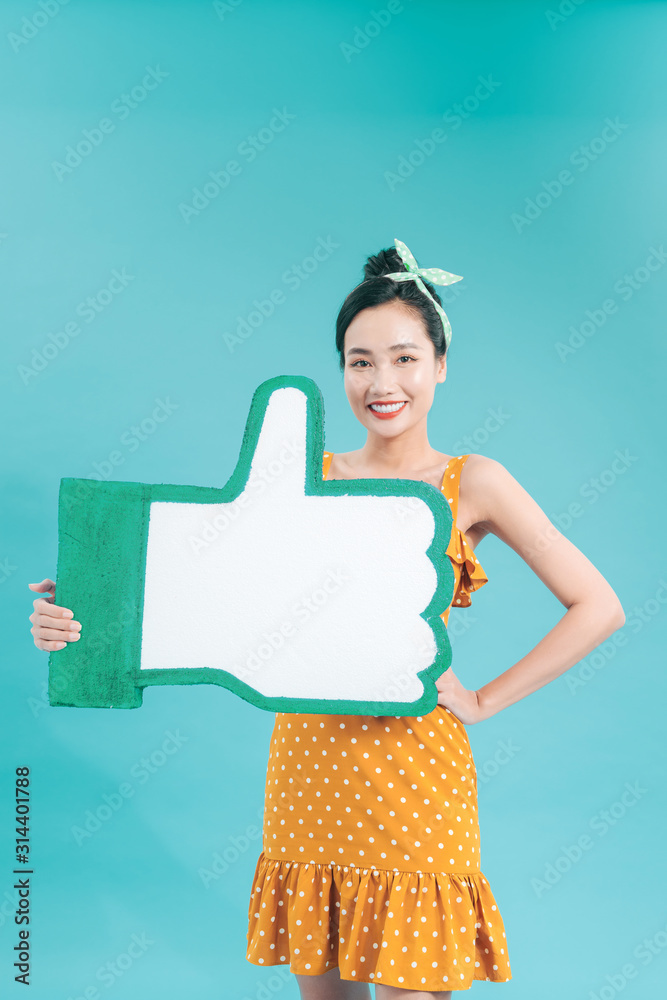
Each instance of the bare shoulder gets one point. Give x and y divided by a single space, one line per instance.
500 505
483 480
497 502
482 469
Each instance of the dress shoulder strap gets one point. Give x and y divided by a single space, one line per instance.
452 482
326 462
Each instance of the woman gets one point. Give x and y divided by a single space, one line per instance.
370 868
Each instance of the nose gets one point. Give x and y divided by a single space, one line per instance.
382 383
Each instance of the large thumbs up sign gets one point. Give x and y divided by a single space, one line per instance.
296 594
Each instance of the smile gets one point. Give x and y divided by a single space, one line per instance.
386 409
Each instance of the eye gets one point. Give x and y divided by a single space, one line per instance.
361 361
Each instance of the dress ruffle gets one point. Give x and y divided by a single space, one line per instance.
324 905
469 573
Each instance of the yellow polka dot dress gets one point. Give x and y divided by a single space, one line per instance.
371 852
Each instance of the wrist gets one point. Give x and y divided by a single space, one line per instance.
486 708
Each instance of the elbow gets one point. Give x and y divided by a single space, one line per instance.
611 610
610 617
617 617
603 616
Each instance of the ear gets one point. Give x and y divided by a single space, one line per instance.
441 372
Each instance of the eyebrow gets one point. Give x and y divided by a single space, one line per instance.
394 347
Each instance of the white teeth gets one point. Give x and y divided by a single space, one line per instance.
387 407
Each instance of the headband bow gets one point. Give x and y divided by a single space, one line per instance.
434 274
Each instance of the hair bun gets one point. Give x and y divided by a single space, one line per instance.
385 262
406 292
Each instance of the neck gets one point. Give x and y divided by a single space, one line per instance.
404 453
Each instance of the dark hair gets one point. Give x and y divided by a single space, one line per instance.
375 290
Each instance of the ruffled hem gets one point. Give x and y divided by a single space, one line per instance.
417 930
471 576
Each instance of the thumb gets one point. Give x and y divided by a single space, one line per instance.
46 586
276 439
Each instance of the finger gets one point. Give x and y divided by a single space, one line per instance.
45 606
45 585
54 634
63 625
42 602
49 646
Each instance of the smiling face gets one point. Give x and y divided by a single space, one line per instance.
390 359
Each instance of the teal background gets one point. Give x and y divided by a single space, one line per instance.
576 742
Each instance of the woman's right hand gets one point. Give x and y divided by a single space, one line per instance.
52 626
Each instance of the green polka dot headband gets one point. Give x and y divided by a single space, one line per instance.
434 274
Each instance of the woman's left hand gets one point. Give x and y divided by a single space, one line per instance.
454 696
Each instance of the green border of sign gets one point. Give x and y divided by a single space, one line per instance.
101 574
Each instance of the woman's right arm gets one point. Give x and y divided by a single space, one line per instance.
52 626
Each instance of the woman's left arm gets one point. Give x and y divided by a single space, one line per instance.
593 610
